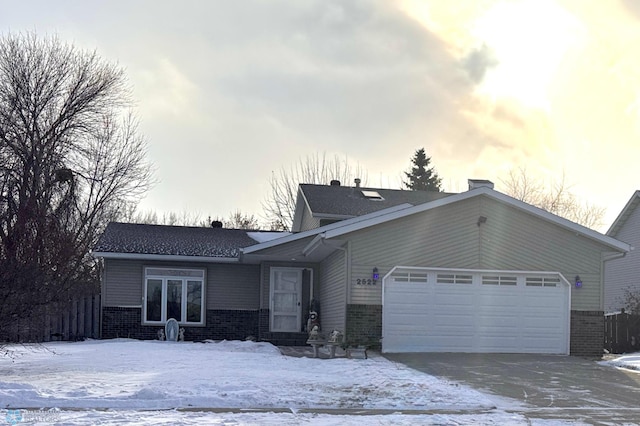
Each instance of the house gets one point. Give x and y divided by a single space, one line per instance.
476 271
621 273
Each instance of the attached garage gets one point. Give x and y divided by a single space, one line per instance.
457 310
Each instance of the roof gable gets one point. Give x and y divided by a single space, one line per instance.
340 228
624 215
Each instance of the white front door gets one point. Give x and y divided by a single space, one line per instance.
286 309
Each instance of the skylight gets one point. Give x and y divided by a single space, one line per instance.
372 195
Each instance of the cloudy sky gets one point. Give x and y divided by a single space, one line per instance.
230 91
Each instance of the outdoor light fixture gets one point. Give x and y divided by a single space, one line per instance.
578 281
376 275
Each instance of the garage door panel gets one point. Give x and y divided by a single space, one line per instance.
504 316
454 301
498 300
497 323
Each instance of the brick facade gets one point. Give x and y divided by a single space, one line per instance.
587 333
221 324
364 325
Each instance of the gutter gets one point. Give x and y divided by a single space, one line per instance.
166 257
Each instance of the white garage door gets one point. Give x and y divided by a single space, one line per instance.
436 310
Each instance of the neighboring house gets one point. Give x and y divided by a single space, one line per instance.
472 272
623 273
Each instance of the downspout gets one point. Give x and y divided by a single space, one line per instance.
103 292
310 283
606 258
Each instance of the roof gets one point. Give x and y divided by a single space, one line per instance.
350 225
343 201
127 240
624 215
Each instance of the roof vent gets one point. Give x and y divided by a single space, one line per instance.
216 224
479 183
357 181
335 182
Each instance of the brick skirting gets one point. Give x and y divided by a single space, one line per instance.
221 324
587 333
364 327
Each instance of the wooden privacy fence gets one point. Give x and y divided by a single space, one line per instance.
621 333
77 320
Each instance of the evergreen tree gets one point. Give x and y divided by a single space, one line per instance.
421 177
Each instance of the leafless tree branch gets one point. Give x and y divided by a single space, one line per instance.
280 203
70 159
556 199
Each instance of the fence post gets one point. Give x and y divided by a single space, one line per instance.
74 320
97 333
65 324
88 312
80 309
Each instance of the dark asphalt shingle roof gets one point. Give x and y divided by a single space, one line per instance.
350 201
172 240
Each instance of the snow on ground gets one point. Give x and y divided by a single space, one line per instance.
630 362
151 382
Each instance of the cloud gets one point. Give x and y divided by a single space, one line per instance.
478 61
632 6
229 91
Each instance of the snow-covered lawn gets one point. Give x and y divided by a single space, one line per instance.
152 382
631 361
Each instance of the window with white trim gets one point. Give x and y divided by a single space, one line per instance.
174 293
414 277
542 281
499 280
455 279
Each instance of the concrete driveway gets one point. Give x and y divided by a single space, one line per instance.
543 386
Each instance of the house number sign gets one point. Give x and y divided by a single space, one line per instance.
366 281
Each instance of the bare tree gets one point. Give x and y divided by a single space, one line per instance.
280 204
239 220
71 158
151 217
556 199
235 220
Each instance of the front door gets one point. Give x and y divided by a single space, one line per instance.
286 285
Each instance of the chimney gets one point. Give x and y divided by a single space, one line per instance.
357 182
335 183
479 183
216 224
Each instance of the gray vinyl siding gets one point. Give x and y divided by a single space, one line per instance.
308 221
624 273
332 294
233 286
518 240
228 286
123 283
450 237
